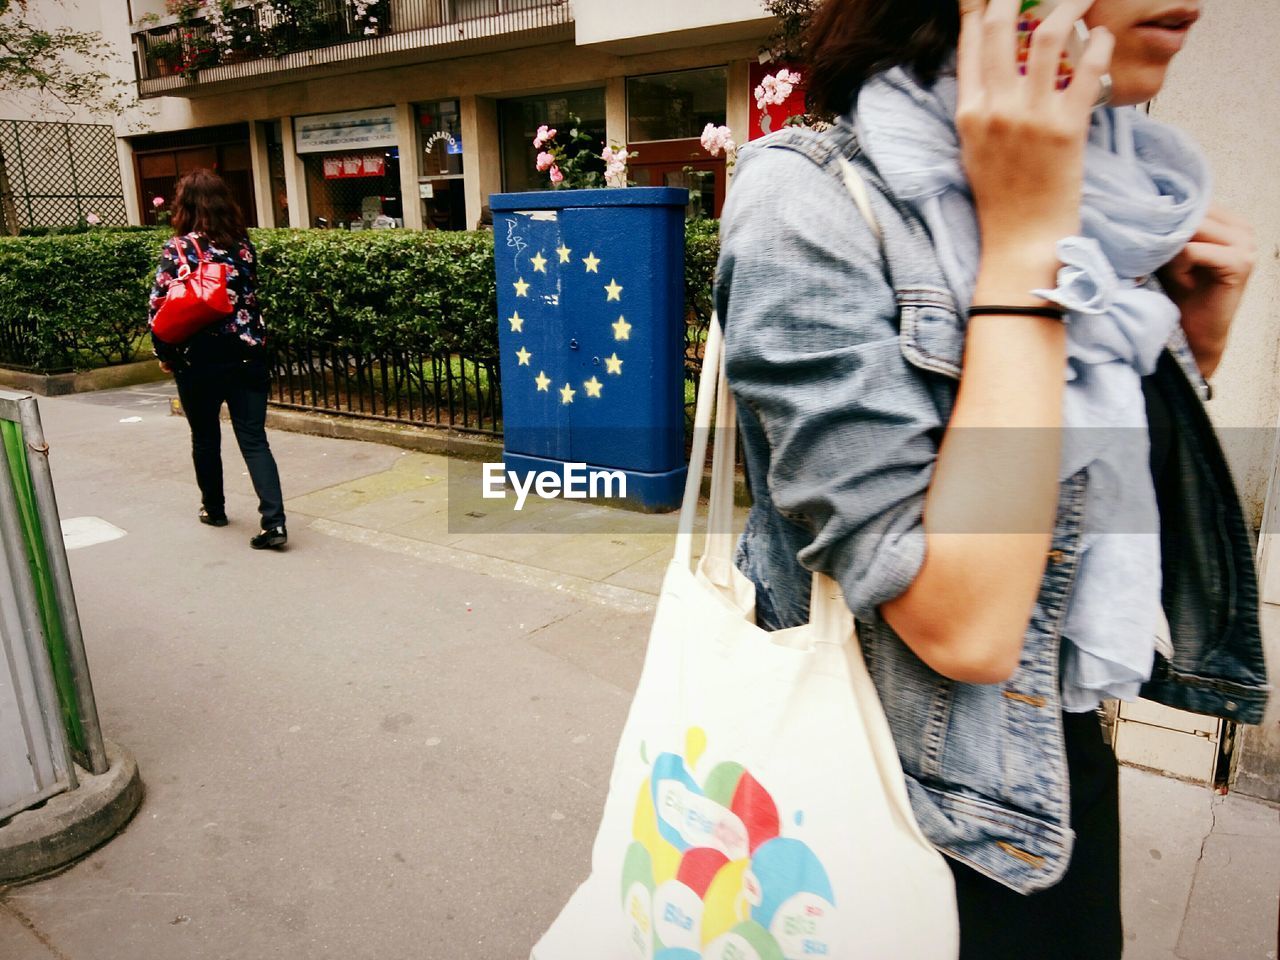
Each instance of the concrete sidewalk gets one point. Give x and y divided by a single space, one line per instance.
393 740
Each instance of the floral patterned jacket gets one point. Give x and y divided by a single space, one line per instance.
242 333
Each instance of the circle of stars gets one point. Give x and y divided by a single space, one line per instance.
621 328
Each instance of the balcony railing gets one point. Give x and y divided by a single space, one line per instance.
209 45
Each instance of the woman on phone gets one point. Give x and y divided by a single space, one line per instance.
226 362
979 410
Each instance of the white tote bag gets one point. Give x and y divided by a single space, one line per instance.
757 809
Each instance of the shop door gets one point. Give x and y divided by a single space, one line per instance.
684 164
159 172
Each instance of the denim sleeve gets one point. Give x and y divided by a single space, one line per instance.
811 344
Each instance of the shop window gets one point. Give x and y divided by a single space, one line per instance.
675 106
666 113
440 168
520 119
355 189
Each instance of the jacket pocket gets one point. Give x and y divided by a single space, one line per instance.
931 333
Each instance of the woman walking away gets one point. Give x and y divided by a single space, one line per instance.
226 361
968 329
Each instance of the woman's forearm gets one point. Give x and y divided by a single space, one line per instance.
990 508
989 512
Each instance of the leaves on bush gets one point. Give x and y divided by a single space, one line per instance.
80 301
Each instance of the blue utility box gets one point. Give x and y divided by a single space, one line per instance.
591 334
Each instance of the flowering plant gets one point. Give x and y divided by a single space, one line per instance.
231 29
162 215
774 91
775 88
363 12
574 164
716 140
196 54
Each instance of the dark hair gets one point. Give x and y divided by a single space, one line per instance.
203 204
849 40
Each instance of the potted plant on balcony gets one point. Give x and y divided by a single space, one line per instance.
590 277
368 18
224 18
165 55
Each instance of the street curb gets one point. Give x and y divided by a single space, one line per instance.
594 591
36 843
423 439
101 378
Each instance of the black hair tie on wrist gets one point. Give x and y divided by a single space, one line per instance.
1000 310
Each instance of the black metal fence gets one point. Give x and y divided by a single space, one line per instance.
60 174
416 388
292 34
401 386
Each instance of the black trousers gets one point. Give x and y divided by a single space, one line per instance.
1079 917
242 386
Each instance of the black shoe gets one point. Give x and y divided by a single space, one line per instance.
267 539
213 519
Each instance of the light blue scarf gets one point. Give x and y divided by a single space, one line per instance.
1146 191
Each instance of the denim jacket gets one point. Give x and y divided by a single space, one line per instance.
844 353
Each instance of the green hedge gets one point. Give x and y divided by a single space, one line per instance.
378 289
79 301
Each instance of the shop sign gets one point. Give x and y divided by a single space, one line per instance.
359 165
342 131
452 142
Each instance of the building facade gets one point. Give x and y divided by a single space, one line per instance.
416 110
409 113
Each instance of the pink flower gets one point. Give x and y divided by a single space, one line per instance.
715 139
157 202
92 219
556 175
776 88
545 162
615 169
544 135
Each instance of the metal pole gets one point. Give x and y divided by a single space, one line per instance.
51 524
13 638
24 591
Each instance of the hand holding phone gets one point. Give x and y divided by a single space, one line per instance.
1031 14
1022 135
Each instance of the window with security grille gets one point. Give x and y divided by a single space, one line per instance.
354 189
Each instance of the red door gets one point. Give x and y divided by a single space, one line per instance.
681 163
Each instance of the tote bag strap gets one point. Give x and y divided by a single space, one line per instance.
828 613
703 419
714 414
715 411
853 182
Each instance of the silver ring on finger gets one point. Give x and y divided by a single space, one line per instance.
1105 90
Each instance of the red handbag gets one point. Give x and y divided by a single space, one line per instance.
195 299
